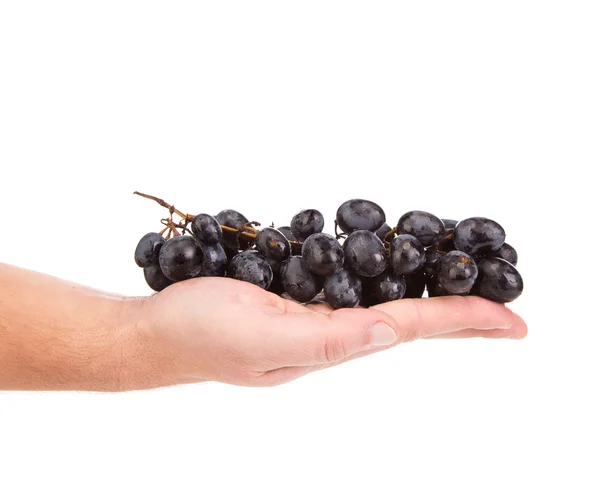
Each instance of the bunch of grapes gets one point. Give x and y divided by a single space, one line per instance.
375 263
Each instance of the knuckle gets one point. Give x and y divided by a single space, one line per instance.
416 327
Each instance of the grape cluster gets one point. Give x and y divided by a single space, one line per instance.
375 263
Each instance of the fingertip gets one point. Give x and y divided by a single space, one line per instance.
519 327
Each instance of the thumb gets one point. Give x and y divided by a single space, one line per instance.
314 338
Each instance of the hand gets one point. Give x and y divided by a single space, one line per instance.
230 331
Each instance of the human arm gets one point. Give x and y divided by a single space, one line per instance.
56 335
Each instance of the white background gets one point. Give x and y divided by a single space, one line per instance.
459 108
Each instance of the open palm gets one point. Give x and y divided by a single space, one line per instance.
231 331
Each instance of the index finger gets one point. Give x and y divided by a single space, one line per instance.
421 318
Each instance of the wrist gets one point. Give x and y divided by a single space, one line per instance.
103 352
145 355
138 358
125 345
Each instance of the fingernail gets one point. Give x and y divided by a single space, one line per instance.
382 334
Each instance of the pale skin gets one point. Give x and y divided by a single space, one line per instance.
57 335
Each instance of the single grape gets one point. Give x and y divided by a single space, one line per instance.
415 285
407 255
155 278
359 214
207 229
426 227
148 248
432 261
323 254
449 225
287 231
383 288
383 230
233 219
435 289
214 260
298 281
498 281
343 289
181 258
364 252
457 272
305 223
478 236
506 252
251 266
272 244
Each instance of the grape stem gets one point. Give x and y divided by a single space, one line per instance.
173 228
162 203
246 231
339 235
387 235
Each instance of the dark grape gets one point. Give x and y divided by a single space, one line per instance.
305 223
181 258
214 260
426 227
155 278
432 261
207 229
457 272
359 214
478 236
233 219
298 281
498 281
415 285
449 225
272 244
287 231
383 230
323 254
407 255
364 252
147 250
251 266
434 288
343 289
383 288
506 252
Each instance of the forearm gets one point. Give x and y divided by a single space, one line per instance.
56 335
